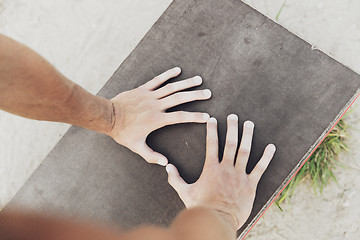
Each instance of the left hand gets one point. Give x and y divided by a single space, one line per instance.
225 187
140 111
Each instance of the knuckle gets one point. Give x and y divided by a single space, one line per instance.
261 167
212 140
198 116
231 144
178 97
180 115
171 87
248 131
244 151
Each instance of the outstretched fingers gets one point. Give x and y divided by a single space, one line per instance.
184 97
212 143
160 79
263 163
177 86
185 117
231 140
245 146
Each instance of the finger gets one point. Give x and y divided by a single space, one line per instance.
245 146
262 165
175 180
150 155
185 117
231 140
177 86
158 80
212 145
184 97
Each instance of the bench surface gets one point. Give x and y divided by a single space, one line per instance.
255 69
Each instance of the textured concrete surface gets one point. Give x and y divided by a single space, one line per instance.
244 57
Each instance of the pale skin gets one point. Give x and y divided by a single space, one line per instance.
217 204
142 110
224 186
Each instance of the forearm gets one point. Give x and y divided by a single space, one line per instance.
196 223
32 88
15 225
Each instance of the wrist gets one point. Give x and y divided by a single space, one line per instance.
229 219
111 118
203 221
89 111
107 121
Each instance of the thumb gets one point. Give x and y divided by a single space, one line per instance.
150 155
175 180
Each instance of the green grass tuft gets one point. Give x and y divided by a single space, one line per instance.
319 169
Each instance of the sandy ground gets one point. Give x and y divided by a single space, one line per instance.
87 41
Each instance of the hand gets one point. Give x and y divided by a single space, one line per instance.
225 187
140 111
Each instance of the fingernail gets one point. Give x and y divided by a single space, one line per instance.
168 169
272 147
177 69
207 93
206 116
162 162
198 79
212 120
233 117
249 123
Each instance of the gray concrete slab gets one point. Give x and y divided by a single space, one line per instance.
254 67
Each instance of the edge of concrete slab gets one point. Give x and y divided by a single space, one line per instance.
303 160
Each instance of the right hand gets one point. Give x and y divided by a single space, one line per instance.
225 187
142 110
